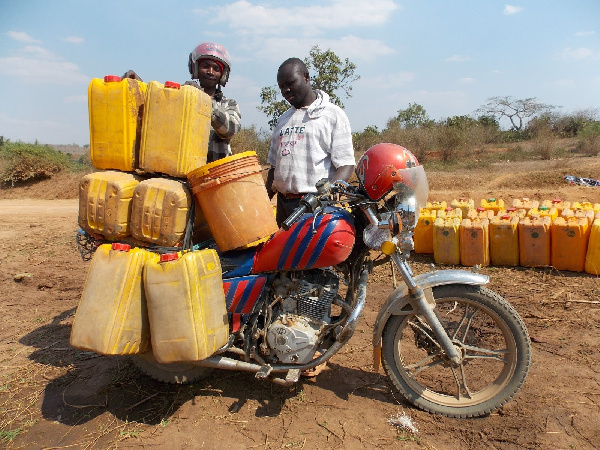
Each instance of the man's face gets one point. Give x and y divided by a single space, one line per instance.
294 86
209 73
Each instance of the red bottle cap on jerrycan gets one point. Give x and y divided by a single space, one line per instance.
511 209
120 247
481 208
111 78
166 257
172 84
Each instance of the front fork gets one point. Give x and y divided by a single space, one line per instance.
426 308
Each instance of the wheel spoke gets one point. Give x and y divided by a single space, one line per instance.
461 383
465 321
423 329
485 353
426 363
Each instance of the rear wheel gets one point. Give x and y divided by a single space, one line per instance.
488 334
176 373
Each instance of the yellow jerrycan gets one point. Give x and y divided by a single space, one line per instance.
112 318
186 305
116 109
175 129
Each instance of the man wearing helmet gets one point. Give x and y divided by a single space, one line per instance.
210 64
312 140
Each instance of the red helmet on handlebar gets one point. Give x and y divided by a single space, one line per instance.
377 169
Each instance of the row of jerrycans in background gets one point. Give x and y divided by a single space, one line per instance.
154 127
172 303
513 236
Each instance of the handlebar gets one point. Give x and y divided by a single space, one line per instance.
308 203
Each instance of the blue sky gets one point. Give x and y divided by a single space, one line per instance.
448 56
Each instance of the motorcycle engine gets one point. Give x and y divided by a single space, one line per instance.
303 308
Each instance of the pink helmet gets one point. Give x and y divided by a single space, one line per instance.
209 50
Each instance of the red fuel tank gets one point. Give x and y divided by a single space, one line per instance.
301 249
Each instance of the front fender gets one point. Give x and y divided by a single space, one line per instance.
398 302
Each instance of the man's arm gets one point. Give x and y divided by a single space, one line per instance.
343 173
269 182
226 118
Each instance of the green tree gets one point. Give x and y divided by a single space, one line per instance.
331 75
412 117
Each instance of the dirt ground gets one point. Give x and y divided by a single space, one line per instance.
55 396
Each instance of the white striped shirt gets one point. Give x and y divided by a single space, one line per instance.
309 144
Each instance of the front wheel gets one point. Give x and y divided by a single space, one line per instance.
176 373
488 334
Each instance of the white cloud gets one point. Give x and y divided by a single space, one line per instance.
355 48
40 53
467 80
457 58
578 53
584 33
21 37
74 40
246 18
49 71
41 64
510 9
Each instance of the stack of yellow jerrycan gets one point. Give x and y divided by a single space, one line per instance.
145 139
525 203
592 257
542 211
480 213
504 240
534 241
492 204
474 242
570 237
423 235
446 243
465 204
512 211
556 203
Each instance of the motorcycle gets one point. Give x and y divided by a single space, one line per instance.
448 344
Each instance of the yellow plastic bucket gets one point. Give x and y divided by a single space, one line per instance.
232 194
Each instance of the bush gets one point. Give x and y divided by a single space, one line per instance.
249 139
21 162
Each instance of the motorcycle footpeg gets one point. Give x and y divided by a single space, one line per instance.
263 372
292 376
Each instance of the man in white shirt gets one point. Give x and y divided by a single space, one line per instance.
312 140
